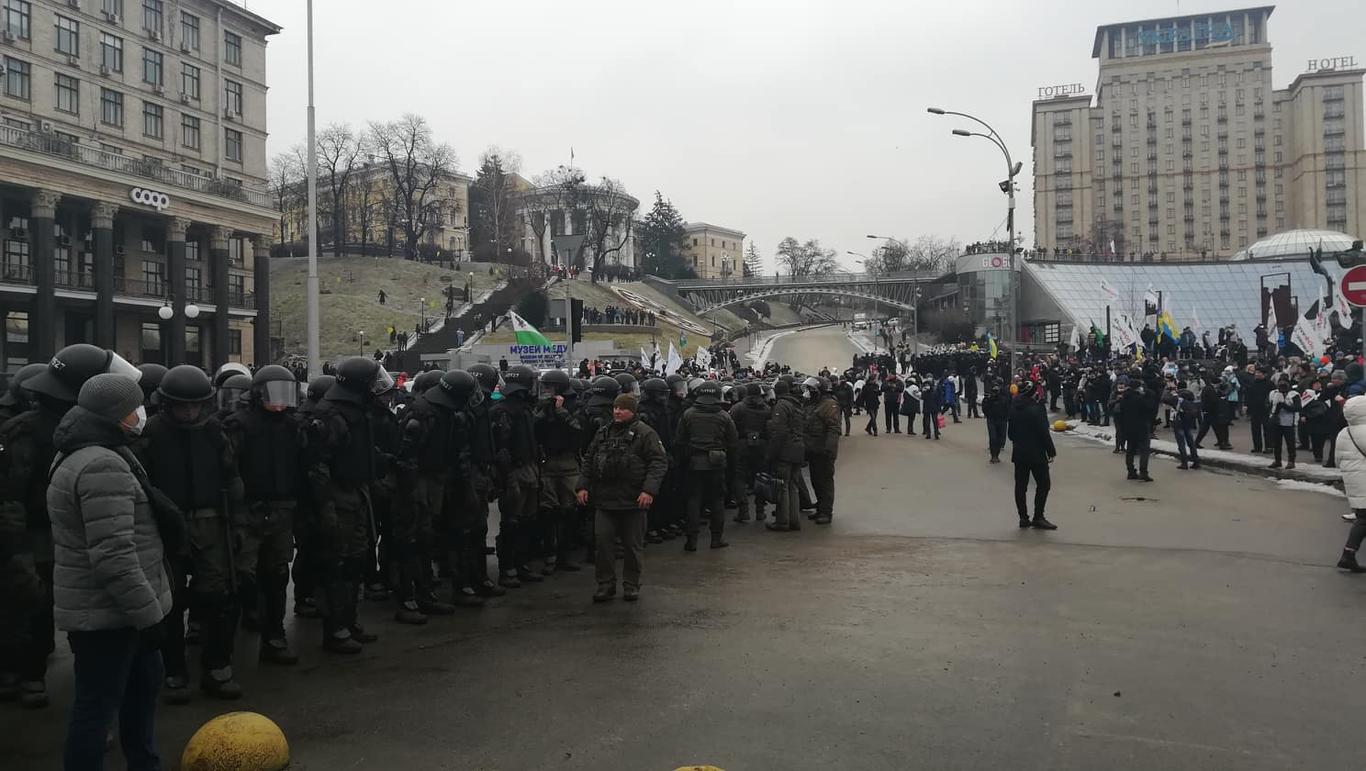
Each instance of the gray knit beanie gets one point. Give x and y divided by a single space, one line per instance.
111 396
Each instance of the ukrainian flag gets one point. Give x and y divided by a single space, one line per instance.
1167 327
991 345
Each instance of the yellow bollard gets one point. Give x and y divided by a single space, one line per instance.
237 741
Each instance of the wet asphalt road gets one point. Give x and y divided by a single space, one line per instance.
1201 627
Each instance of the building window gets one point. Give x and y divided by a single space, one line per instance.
189 131
18 80
194 282
151 66
232 48
68 36
151 341
232 96
154 277
68 94
16 260
16 338
153 125
18 18
235 252
232 145
189 31
192 253
112 7
111 52
111 107
189 81
237 287
151 15
235 343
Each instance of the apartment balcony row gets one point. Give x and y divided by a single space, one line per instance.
21 275
52 145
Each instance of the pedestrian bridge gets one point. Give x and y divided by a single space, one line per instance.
894 289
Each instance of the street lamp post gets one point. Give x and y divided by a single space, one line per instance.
311 285
167 312
915 296
1007 187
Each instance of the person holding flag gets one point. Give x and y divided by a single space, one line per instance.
525 333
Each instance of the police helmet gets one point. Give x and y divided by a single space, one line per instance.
231 391
519 379
357 375
655 387
628 383
72 366
460 385
275 388
556 382
185 384
694 383
709 392
580 385
487 377
151 378
677 384
604 388
427 380
318 387
15 395
228 370
754 389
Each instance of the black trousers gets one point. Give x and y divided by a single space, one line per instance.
1358 533
871 428
707 489
973 412
1259 431
1042 484
891 419
1282 435
846 413
1140 446
996 435
929 423
822 468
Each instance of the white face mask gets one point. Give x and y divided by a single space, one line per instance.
136 428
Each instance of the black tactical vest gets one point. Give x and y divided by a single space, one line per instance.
269 456
186 463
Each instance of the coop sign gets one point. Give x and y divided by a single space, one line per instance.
1065 89
152 198
1332 63
539 355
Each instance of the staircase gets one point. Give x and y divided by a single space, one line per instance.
474 318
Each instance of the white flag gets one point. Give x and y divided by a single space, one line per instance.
1074 340
1195 319
702 357
1344 310
645 358
674 362
1111 296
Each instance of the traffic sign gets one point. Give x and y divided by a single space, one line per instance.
1354 286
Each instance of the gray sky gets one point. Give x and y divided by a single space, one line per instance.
777 117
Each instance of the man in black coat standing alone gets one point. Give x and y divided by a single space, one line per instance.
1031 452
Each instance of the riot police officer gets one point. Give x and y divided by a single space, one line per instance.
304 571
16 399
822 443
516 458
189 458
233 394
28 455
706 445
150 381
751 416
479 403
379 567
654 412
342 468
786 452
560 438
267 441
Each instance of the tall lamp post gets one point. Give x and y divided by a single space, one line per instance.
311 286
1007 187
915 296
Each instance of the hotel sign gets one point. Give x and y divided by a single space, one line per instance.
1067 89
1332 63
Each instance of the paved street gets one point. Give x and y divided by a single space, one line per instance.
1194 623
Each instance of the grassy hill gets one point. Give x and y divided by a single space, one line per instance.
349 299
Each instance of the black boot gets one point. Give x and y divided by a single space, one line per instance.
1040 523
1349 562
717 542
691 543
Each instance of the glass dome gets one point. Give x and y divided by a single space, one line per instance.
1295 243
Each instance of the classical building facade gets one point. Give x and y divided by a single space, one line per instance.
713 251
132 180
601 213
1188 149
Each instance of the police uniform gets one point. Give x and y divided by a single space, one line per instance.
516 460
706 442
751 417
560 438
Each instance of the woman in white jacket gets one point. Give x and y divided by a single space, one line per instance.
1351 459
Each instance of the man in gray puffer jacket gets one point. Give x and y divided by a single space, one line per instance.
110 588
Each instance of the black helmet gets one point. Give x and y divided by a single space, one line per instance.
555 382
151 378
580 385
678 384
357 374
72 366
186 384
231 391
754 389
826 386
14 396
426 380
655 387
486 375
628 383
228 370
707 393
460 386
781 387
275 388
603 390
519 379
318 386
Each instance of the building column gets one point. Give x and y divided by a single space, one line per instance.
218 259
102 236
43 263
260 280
173 343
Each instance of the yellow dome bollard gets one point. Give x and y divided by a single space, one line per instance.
1060 425
237 741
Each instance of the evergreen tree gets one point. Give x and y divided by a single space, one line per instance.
662 238
754 264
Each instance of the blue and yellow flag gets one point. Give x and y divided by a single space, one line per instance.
1167 327
991 345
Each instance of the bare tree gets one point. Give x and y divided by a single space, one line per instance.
932 254
556 193
805 259
417 165
609 214
285 177
339 151
366 204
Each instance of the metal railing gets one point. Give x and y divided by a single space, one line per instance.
59 147
16 274
828 278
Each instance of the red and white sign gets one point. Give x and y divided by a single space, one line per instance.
1354 286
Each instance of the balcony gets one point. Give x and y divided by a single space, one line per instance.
16 273
132 287
75 279
56 147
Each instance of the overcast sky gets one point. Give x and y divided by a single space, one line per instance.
776 117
